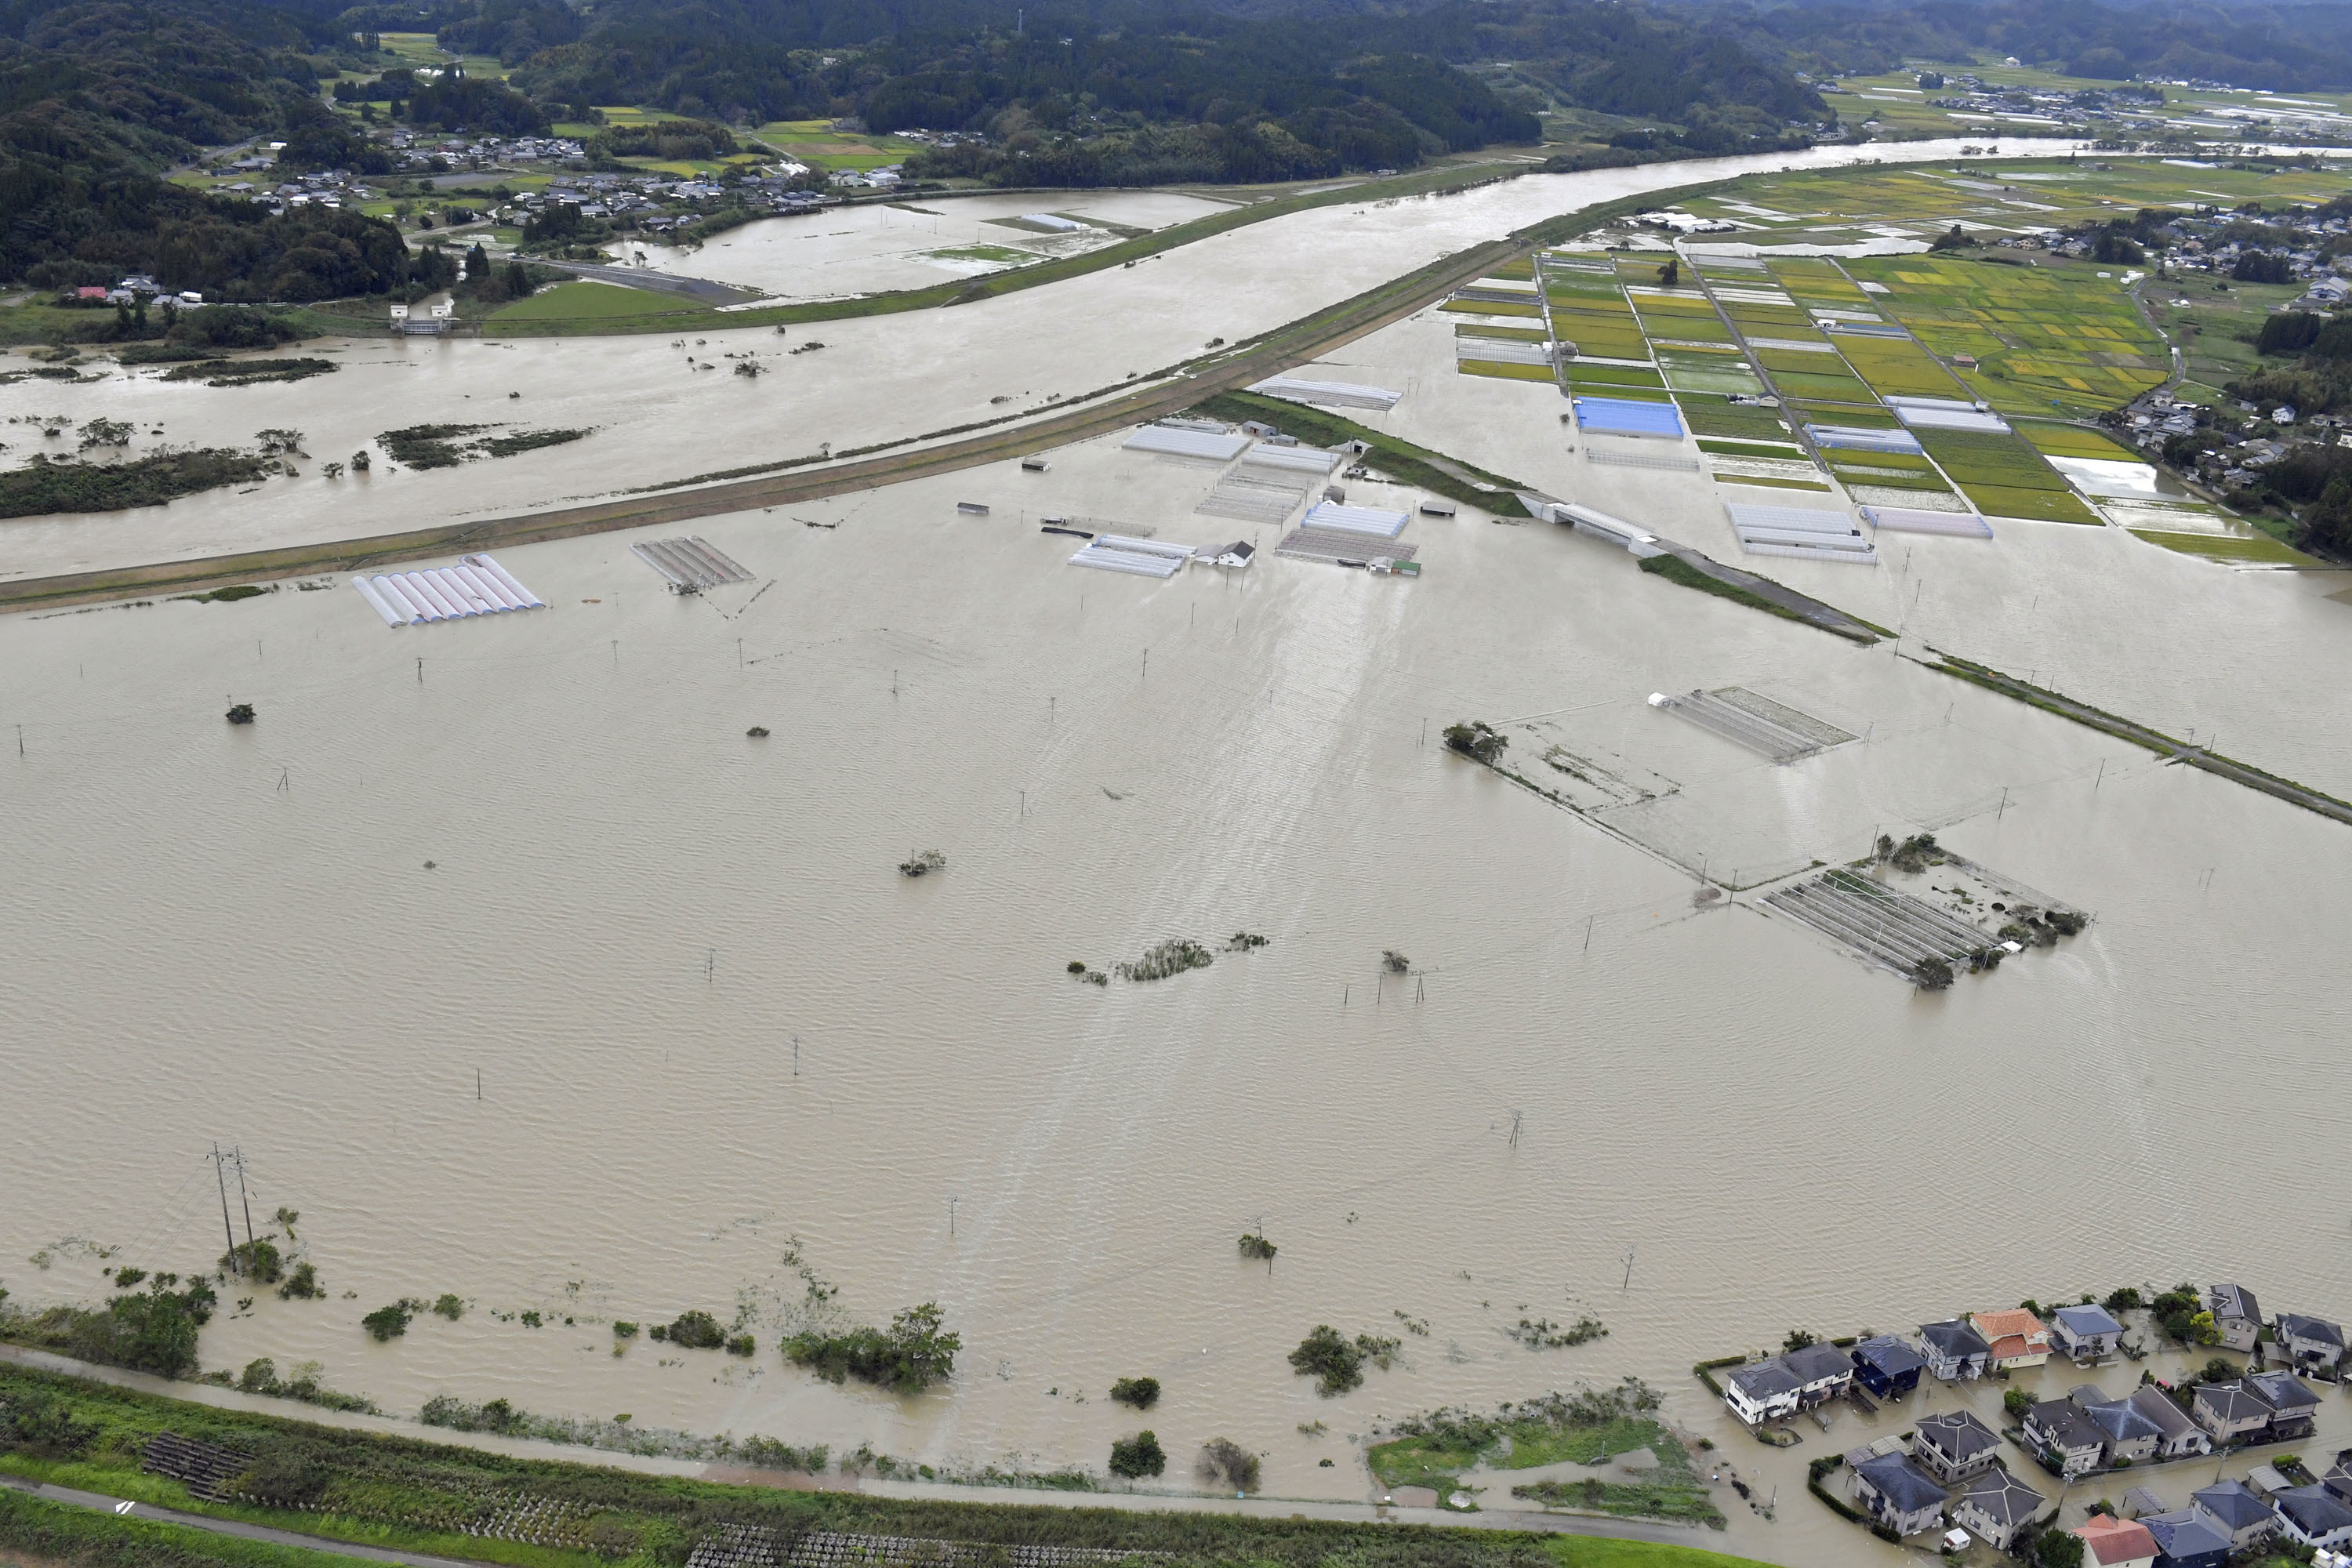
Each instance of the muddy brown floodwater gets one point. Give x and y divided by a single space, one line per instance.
515 965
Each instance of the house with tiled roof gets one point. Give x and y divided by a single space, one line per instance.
2229 1413
2181 1436
2112 1542
2086 1333
2291 1404
1898 1494
2066 1439
2188 1539
2236 1314
2246 1519
2308 1344
1887 1366
2313 1516
2132 1438
1954 1444
1998 1507
2018 1339
1767 1390
1955 1351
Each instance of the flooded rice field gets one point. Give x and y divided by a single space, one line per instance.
659 418
522 972
914 244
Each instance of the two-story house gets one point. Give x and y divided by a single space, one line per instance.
1898 1494
2018 1338
2244 1518
1955 1351
2086 1333
1887 1366
2232 1414
2112 1542
2132 1438
2292 1406
2313 1517
1767 1390
2069 1442
2181 1436
2236 1314
2308 1344
1952 1446
1998 1508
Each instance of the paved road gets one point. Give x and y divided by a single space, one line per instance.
123 1507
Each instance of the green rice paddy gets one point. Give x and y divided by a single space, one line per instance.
1501 371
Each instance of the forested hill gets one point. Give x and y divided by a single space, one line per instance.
2243 44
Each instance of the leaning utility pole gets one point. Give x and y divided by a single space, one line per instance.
220 1175
239 1157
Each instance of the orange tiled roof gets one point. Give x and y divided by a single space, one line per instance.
2109 1540
2012 1320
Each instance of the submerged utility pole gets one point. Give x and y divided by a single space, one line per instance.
242 1199
1628 1283
221 1176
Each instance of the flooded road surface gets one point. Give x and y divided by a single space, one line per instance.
661 1003
657 419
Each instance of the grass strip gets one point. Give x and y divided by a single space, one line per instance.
399 1492
62 1533
1675 569
1400 459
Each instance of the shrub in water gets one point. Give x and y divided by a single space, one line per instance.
696 1331
908 1356
1142 1393
387 1322
1225 1463
1137 1456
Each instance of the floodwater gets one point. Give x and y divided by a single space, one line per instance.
2243 660
512 962
658 419
914 244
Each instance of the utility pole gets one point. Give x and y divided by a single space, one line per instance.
1628 1283
220 1175
1515 1129
242 1198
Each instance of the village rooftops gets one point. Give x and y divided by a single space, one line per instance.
2087 1322
1957 1441
1885 1362
2317 1331
2233 1302
1953 1341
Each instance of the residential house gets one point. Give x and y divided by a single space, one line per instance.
2232 1414
2069 1441
2244 1518
2187 1539
2018 1338
2338 1478
2086 1333
1239 553
1954 1351
1767 1390
2291 1404
2132 1438
1887 1366
2181 1436
2308 1344
2236 1314
1998 1507
1953 1446
2313 1516
1898 1494
2112 1542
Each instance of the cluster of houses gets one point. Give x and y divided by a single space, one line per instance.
1948 1474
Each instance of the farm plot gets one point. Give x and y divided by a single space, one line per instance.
2055 333
2004 476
